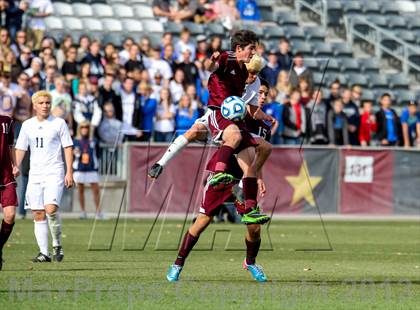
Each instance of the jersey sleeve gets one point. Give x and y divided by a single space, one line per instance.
404 116
251 93
22 142
65 137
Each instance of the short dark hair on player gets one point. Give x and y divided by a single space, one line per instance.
264 83
243 38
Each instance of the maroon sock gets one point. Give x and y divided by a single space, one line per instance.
250 187
5 231
252 249
225 154
186 247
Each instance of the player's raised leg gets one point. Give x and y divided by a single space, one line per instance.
253 242
197 132
189 241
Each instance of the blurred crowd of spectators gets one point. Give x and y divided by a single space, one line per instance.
154 92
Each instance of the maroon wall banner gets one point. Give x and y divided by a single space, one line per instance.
345 181
366 182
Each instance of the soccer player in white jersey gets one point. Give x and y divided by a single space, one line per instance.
200 131
46 135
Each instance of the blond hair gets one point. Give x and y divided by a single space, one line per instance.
39 94
256 64
79 126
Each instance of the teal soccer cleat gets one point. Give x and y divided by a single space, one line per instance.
256 271
173 273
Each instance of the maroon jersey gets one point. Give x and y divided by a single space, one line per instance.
6 141
228 80
258 127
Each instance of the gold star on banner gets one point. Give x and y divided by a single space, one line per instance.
303 185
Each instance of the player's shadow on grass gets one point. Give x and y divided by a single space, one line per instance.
318 282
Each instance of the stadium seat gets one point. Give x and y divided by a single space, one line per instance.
369 65
194 28
287 18
82 10
122 11
335 13
342 49
114 38
397 22
54 23
216 29
63 9
398 81
405 96
378 81
389 8
352 7
311 63
267 14
92 24
172 27
304 47
407 36
259 31
152 26
295 33
368 95
357 79
112 25
371 7
102 10
380 21
143 11
413 22
322 49
73 23
315 33
405 6
349 65
273 32
98 1
132 26
131 2
317 79
333 65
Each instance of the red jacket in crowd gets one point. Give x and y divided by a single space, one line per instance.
367 127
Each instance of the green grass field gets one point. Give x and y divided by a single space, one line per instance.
374 265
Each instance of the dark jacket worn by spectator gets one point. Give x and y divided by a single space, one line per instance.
388 127
96 67
294 123
353 118
106 95
337 128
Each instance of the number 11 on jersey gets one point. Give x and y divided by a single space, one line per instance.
39 142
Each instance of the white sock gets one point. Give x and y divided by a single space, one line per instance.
173 150
240 184
55 228
41 235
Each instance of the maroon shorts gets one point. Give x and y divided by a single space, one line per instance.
8 195
214 197
218 123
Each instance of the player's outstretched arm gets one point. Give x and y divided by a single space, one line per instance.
68 157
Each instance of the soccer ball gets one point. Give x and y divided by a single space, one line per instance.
233 108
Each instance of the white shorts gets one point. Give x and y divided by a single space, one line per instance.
86 177
204 120
48 192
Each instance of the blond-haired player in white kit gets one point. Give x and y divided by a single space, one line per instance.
45 136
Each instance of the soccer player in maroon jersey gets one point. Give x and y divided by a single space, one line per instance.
228 78
214 198
8 172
